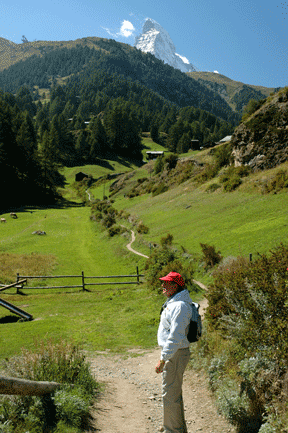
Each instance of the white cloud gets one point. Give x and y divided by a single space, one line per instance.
216 72
127 29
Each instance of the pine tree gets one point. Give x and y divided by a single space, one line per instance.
98 139
175 133
184 143
154 133
82 148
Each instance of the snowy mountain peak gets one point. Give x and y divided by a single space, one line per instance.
156 40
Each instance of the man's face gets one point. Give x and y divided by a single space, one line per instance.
169 288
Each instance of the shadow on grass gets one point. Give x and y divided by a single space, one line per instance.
9 319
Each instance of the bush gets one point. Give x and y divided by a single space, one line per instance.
72 406
211 257
277 182
166 240
222 155
62 362
232 183
254 303
159 165
213 187
141 228
160 189
170 161
209 172
164 260
114 230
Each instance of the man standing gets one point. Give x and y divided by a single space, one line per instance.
172 337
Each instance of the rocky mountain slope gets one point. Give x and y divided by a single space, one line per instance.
155 39
261 141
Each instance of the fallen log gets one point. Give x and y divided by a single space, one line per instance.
15 386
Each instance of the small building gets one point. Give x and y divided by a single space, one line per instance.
225 139
154 154
195 145
80 176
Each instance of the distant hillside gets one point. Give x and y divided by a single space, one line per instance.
46 61
11 53
235 93
261 140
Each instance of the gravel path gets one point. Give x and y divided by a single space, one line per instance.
132 399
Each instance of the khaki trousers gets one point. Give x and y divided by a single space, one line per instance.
172 379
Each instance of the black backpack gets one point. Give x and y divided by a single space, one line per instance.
195 327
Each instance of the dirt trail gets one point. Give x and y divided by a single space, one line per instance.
132 399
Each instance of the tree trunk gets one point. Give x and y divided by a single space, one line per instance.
15 386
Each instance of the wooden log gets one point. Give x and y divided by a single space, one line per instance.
13 285
15 386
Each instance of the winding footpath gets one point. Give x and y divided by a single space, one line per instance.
132 400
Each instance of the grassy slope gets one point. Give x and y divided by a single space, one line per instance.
232 87
241 222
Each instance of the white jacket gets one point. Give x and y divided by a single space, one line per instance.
174 324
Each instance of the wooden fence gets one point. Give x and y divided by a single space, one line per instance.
83 279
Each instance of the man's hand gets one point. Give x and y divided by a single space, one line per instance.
159 367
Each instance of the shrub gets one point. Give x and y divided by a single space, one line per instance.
213 187
164 260
72 406
170 161
166 240
159 165
254 304
141 228
277 182
209 172
160 189
211 257
62 362
114 230
232 183
222 155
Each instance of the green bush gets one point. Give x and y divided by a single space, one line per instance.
141 228
211 257
63 363
160 189
164 260
222 155
170 161
72 406
166 240
213 187
208 172
232 183
277 182
159 165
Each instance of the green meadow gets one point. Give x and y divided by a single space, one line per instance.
120 317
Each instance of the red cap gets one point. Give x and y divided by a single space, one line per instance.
174 276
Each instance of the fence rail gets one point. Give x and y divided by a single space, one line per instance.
20 278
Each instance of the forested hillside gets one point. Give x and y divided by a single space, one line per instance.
235 93
115 58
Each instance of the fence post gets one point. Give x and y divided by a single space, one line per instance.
83 281
17 279
250 257
137 272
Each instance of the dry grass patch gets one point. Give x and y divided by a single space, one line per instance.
25 264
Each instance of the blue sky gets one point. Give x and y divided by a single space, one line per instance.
244 40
